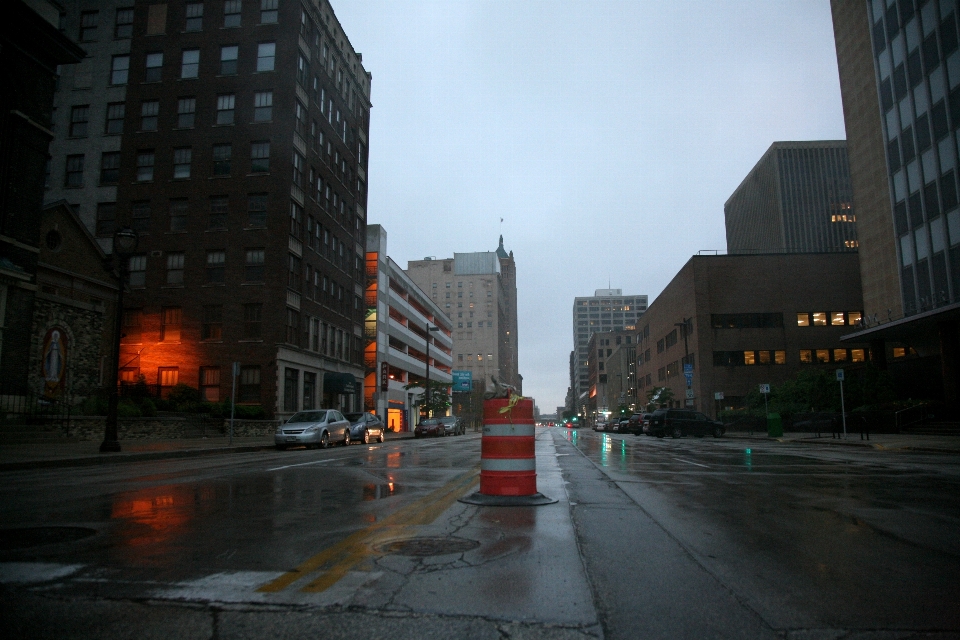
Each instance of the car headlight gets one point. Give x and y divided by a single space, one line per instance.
279 428
310 429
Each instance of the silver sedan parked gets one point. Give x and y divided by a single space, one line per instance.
316 428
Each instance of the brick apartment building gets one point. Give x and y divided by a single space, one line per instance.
241 163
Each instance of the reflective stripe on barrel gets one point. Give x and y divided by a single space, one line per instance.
508 449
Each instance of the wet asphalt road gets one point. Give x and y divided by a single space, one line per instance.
690 538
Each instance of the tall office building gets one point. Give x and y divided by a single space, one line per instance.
478 291
899 64
607 310
242 166
797 198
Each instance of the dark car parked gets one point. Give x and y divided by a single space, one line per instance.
682 422
620 425
429 427
634 424
365 427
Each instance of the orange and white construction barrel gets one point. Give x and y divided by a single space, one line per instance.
508 462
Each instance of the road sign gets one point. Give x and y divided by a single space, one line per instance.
688 368
840 375
462 380
384 376
718 395
765 388
689 377
689 394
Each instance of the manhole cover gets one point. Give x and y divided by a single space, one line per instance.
423 547
37 536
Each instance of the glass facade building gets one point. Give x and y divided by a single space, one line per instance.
917 65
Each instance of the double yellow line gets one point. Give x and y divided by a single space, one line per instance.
358 546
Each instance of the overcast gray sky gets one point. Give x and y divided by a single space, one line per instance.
606 133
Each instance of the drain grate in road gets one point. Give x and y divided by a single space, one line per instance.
428 546
37 536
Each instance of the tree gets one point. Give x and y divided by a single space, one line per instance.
658 396
439 397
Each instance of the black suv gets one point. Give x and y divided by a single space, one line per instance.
682 422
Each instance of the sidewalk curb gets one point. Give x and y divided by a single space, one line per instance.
849 443
118 458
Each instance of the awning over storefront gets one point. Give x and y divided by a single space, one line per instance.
335 382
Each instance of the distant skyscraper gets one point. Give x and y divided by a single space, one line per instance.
478 291
796 199
606 310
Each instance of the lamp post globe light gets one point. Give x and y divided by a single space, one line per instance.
124 244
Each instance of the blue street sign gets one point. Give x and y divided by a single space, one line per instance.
462 380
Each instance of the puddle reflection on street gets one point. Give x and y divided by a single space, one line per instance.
380 491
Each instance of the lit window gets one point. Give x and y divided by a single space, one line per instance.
837 318
819 319
764 357
806 356
823 355
839 355
858 355
749 357
803 319
854 317
780 357
169 378
899 352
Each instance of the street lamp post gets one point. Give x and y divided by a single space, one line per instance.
429 329
124 244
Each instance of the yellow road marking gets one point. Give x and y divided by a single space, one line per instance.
355 548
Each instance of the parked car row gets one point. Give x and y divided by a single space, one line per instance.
675 422
321 427
438 427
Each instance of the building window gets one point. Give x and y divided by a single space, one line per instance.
106 219
149 112
186 113
212 326
822 355
803 319
252 321
249 390
169 377
190 63
221 159
194 15
819 318
123 26
225 108
268 11
210 384
291 383
858 355
154 67
293 272
301 119
74 173
137 271
115 114
175 268
260 157
293 327
219 206
838 318
266 55
178 215
298 162
110 167
228 60
254 265
119 70
216 262
182 158
88 25
257 210
263 106
140 216
171 319
79 119
132 329
231 13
